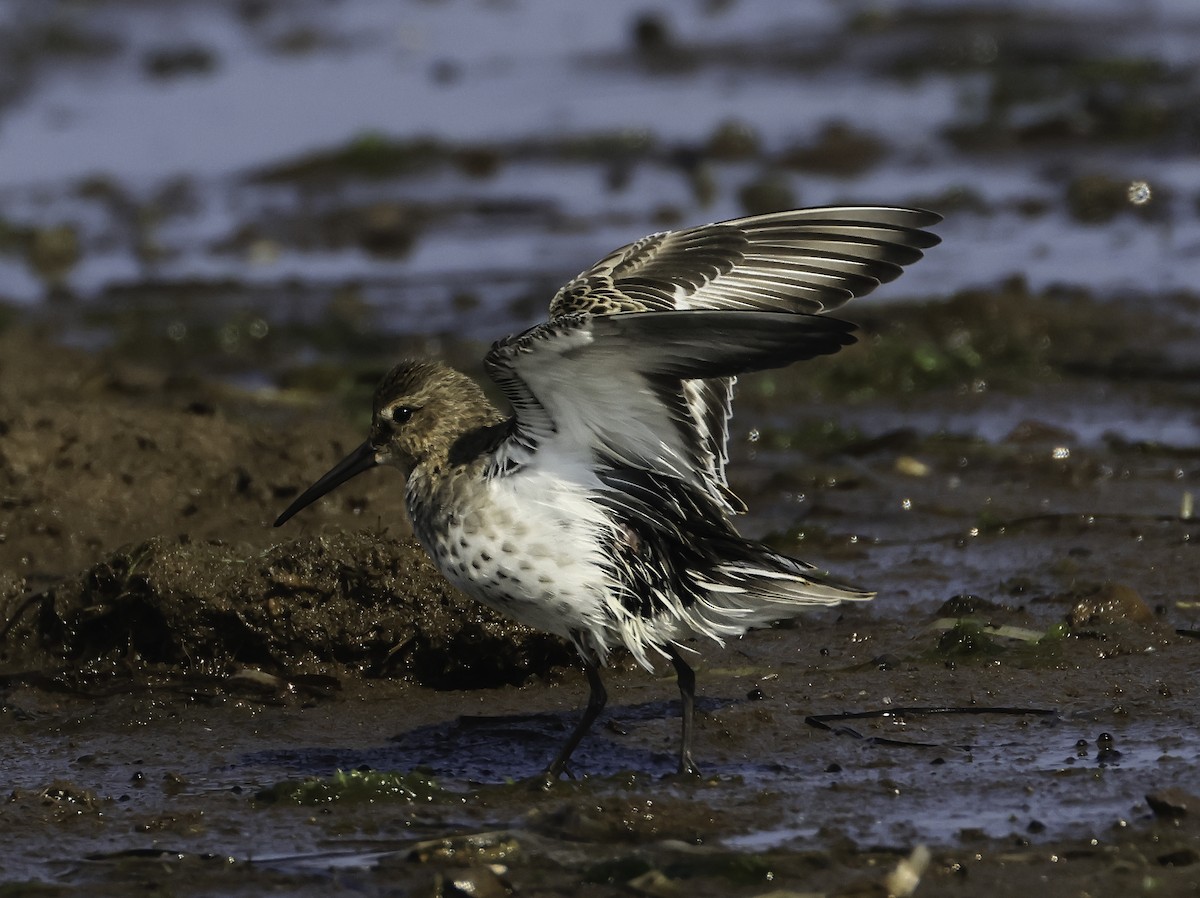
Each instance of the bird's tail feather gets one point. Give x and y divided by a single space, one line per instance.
759 588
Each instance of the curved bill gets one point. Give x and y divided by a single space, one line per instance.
361 459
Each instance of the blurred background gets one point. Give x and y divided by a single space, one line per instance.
250 187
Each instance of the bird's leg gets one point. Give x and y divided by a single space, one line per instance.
596 701
687 697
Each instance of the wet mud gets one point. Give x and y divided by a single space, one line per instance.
196 702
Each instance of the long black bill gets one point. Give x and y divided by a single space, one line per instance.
361 459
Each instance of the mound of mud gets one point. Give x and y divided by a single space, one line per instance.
135 535
354 602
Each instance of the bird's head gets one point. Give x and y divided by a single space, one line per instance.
419 410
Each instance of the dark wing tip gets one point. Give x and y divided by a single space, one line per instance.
708 343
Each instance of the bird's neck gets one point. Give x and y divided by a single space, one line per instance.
436 483
464 441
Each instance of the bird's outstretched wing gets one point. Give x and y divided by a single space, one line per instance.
608 386
806 260
656 332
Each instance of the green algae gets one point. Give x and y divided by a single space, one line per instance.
370 155
353 787
978 340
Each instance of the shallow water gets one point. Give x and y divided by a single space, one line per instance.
167 189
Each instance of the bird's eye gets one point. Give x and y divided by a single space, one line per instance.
401 413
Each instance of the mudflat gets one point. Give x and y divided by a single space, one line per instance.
197 703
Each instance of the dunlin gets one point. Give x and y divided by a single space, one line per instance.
598 508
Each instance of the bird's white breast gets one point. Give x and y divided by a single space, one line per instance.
528 544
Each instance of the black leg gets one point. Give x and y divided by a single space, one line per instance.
596 701
687 697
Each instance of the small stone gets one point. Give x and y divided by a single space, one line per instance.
1172 804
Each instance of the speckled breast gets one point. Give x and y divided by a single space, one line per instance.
524 545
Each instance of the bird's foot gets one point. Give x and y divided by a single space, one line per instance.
541 783
688 768
546 781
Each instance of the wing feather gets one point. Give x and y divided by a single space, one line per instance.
872 242
807 261
612 386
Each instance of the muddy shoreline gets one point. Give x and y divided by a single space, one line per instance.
170 663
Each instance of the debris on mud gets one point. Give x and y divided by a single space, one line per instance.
1113 603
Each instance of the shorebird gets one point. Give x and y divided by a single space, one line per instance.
598 509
